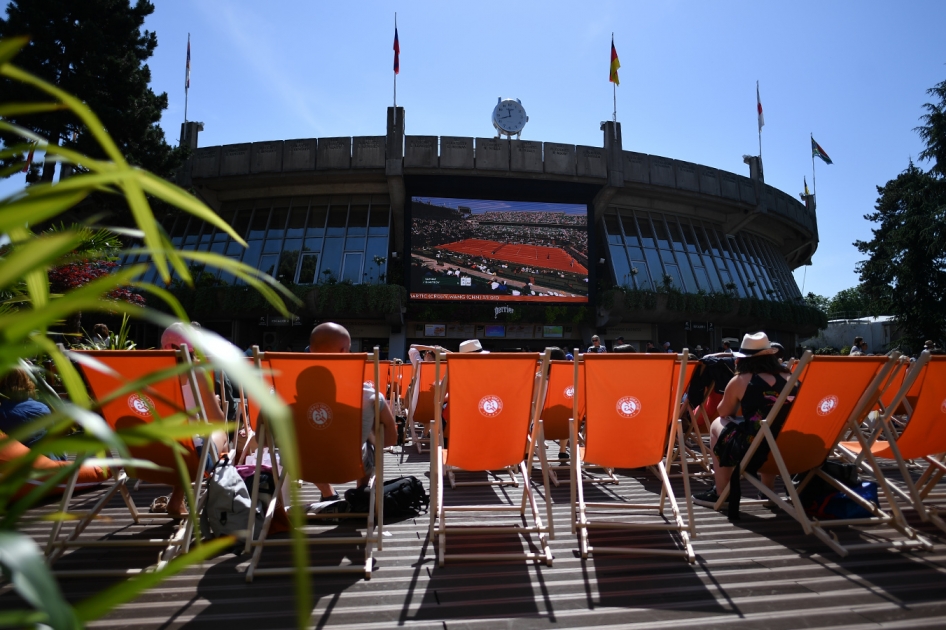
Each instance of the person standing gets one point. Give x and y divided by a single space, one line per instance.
596 345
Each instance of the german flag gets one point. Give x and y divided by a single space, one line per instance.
615 64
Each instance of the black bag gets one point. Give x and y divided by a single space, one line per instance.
403 497
818 491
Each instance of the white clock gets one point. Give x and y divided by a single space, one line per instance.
509 116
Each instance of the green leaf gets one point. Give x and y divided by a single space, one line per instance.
37 254
123 592
165 295
32 580
71 379
10 47
32 210
179 197
22 109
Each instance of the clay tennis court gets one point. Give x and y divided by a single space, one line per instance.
532 255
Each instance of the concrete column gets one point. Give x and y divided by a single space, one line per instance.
397 344
394 169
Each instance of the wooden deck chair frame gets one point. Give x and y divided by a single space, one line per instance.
698 456
438 527
177 543
414 426
866 401
684 528
374 526
921 421
607 478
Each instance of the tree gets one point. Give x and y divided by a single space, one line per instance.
95 49
819 302
906 268
934 131
854 302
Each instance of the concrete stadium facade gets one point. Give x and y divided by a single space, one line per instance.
339 208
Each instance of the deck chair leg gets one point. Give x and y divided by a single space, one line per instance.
579 489
254 492
682 529
127 498
575 477
281 475
63 508
691 524
536 517
436 459
55 550
544 462
372 532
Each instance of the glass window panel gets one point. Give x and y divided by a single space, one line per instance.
331 259
202 247
635 254
235 249
687 273
647 235
296 226
654 267
377 251
702 241
310 263
379 220
675 236
620 266
667 257
312 245
272 246
206 235
316 224
336 220
287 265
357 220
355 243
674 273
293 244
268 264
703 278
613 229
251 257
258 225
642 280
630 228
180 226
662 241
218 248
277 222
241 222
351 267
688 236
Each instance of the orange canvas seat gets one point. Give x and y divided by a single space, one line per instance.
633 403
924 436
493 403
325 393
835 394
107 373
88 476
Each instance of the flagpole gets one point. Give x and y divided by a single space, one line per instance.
614 86
759 101
814 182
395 74
187 81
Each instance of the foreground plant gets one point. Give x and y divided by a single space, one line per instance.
24 333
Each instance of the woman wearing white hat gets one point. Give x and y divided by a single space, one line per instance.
749 396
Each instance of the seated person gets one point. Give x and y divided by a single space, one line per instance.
331 337
18 406
172 339
749 396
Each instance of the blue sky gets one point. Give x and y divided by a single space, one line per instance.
853 73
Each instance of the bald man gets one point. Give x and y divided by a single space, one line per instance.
332 337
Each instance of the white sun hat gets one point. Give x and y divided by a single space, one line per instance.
754 345
472 345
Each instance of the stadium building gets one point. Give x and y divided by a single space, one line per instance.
521 243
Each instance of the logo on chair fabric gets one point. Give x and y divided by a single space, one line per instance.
569 392
141 405
628 407
943 406
320 415
490 406
827 405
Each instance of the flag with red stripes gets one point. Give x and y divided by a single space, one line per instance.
758 102
187 75
397 54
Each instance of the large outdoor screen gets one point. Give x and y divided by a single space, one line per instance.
485 249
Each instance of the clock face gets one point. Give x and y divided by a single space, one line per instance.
509 116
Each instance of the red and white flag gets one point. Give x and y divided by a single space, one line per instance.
187 74
758 102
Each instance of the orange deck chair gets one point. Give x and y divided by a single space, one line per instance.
248 412
420 409
633 401
492 405
401 375
325 393
694 448
834 396
106 372
924 436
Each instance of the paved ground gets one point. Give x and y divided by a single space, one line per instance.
761 572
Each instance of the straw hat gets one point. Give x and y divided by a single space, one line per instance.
472 345
755 345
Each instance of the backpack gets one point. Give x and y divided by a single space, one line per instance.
227 507
403 497
823 501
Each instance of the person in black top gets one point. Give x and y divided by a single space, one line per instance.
749 396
